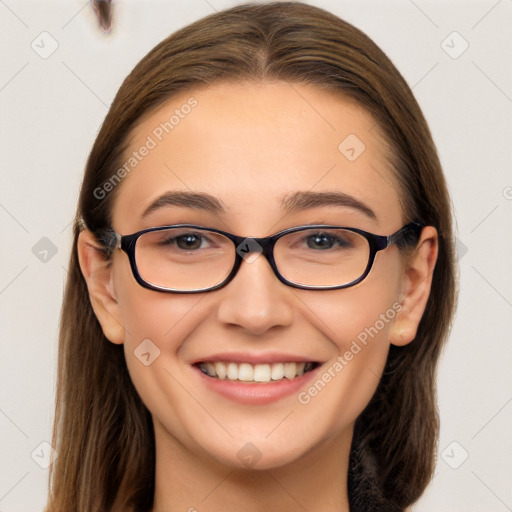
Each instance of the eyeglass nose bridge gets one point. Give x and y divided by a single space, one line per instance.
245 246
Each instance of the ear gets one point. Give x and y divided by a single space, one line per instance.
97 272
418 272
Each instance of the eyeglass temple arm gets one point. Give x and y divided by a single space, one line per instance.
408 235
109 238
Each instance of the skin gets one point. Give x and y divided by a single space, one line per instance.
249 144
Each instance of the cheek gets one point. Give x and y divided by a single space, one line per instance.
357 321
349 379
363 312
155 324
148 314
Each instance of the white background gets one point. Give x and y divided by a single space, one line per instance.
51 109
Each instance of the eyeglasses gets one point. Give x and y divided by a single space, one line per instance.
185 258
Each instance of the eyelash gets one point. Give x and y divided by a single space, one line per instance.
336 240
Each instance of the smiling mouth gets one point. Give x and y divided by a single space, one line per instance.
246 372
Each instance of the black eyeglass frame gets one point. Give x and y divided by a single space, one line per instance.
406 236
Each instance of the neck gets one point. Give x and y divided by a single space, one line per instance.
185 482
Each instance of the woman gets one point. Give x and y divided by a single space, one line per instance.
261 281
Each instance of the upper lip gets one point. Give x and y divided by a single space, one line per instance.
254 358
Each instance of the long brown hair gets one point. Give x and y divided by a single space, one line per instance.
103 433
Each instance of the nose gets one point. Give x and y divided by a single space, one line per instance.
255 300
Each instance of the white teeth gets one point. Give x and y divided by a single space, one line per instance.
290 370
255 373
221 371
277 371
245 372
232 371
262 373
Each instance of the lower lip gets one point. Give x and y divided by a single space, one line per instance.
255 393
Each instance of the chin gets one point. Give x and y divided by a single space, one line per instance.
262 454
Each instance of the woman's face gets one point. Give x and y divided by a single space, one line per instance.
249 147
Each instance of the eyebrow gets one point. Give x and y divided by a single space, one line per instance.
194 200
303 200
290 203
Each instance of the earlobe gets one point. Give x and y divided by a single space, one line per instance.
97 272
418 273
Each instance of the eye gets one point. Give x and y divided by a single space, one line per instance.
185 241
189 241
325 241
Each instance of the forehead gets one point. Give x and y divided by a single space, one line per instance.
251 145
